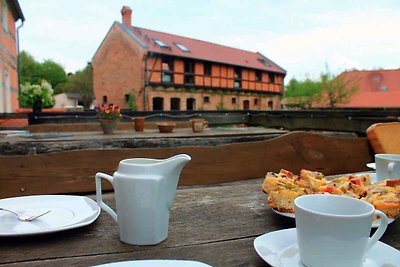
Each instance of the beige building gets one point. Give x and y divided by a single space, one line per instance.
67 100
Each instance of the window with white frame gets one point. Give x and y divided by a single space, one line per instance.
4 16
7 89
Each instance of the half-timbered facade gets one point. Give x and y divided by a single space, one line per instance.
170 72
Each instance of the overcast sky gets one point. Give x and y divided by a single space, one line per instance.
302 36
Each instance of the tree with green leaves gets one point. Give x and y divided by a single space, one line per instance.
303 94
337 90
30 69
34 72
328 91
81 82
52 72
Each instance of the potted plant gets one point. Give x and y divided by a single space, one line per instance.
109 116
37 96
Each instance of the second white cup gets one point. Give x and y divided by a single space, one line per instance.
387 166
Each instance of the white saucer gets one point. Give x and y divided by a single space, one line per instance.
375 223
156 263
66 212
279 249
371 165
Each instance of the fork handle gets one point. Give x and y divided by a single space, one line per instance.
37 216
13 212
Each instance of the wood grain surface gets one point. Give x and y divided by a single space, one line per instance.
214 224
73 171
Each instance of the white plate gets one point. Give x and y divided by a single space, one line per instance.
372 174
373 179
66 212
279 249
371 165
156 263
375 223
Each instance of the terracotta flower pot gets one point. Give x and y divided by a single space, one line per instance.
166 127
198 125
139 124
108 126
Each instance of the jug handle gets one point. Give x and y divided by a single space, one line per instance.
99 197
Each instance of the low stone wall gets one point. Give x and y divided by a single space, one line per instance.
91 127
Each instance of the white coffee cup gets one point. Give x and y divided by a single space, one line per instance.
387 166
334 230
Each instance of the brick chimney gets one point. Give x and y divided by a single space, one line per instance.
126 12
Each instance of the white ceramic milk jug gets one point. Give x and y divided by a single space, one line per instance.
144 192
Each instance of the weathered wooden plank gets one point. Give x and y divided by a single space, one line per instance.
150 138
73 171
228 253
200 216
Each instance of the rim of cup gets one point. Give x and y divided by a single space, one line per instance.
303 202
388 156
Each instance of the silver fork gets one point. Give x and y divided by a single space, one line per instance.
26 218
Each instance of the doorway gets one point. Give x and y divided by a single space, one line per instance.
158 103
175 103
190 104
246 104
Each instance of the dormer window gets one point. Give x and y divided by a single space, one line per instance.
160 43
264 61
182 47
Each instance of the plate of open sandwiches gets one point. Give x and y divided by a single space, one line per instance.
283 187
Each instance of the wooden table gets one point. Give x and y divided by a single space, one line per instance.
213 224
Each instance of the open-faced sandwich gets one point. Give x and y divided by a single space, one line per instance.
283 187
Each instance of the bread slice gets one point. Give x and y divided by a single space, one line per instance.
384 137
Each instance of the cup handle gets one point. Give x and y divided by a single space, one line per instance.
383 223
99 197
205 124
390 168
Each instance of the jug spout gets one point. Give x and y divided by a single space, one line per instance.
172 168
177 162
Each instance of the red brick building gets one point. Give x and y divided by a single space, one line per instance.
10 13
170 72
376 88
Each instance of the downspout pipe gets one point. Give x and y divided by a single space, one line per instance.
146 83
19 63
